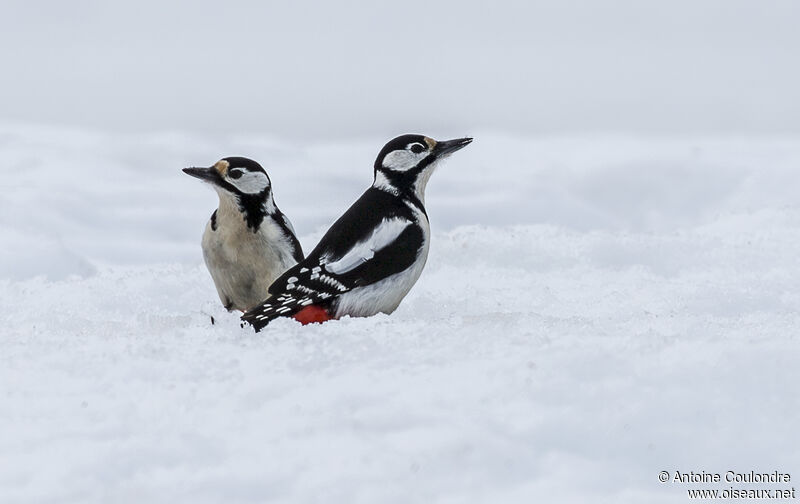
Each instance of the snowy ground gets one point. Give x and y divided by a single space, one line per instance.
595 309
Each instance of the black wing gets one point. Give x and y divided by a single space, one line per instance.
288 229
376 238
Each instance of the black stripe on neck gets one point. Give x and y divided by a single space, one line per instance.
405 182
253 208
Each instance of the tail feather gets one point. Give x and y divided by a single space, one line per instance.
280 305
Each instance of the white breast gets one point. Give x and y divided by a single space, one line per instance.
243 264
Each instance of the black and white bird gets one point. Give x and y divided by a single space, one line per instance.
371 257
247 242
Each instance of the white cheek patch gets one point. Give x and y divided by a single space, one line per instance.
251 182
402 160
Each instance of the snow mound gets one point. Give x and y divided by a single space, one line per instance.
630 307
29 254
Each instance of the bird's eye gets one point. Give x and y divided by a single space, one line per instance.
416 148
235 174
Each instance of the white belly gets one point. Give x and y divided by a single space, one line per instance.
244 264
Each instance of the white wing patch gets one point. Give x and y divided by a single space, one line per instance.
386 232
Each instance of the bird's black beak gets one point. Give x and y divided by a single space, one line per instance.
210 175
447 147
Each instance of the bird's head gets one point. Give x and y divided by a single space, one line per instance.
406 162
235 177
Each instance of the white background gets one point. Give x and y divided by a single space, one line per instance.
347 68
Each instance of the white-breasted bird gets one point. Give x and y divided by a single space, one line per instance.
248 242
373 254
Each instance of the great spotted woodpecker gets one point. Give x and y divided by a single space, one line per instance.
371 257
247 242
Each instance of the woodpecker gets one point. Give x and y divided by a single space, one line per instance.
371 257
248 242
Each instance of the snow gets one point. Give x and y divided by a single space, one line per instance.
595 309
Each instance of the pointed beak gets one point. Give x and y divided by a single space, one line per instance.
210 175
447 147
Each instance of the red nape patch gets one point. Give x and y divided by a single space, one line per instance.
312 314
